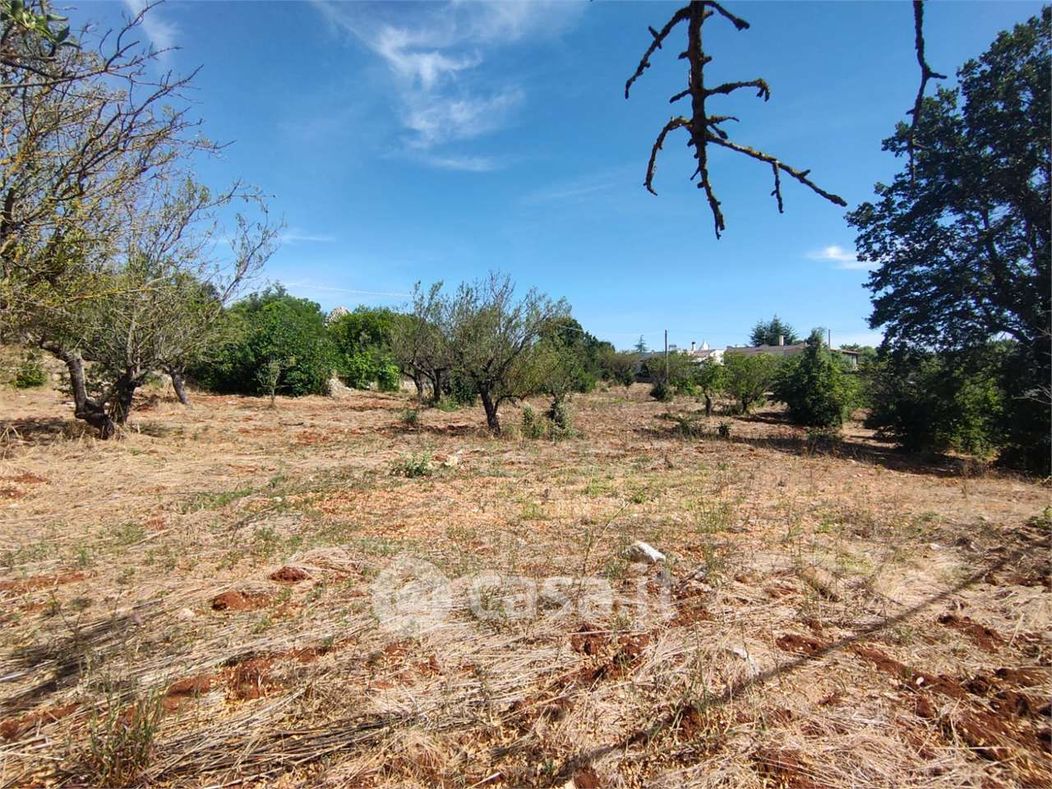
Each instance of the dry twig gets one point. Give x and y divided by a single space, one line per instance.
704 127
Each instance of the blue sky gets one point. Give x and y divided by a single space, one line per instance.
422 141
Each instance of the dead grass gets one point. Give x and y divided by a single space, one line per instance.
831 614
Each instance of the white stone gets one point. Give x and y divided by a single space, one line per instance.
640 551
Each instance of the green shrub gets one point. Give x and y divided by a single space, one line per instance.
30 372
410 417
748 377
418 465
532 425
272 340
933 402
815 386
662 391
362 343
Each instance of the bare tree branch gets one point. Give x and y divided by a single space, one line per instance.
704 127
926 74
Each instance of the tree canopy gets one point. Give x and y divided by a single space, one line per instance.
962 238
769 332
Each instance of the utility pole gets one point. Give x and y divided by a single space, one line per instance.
666 355
829 337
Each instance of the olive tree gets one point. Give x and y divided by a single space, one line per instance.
748 377
89 129
156 303
491 333
419 345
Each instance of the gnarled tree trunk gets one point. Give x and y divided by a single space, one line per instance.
85 408
178 384
490 406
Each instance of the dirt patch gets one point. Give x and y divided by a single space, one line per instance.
12 493
586 778
13 728
784 768
986 638
621 654
25 478
690 611
251 679
801 645
910 678
289 574
1024 677
23 585
234 600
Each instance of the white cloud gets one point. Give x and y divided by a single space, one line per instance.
440 119
160 32
435 53
841 258
294 236
467 164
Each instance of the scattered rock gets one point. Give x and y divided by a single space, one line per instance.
743 653
640 551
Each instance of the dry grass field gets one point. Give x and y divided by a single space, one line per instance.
194 604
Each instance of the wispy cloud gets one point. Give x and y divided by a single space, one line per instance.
160 32
294 236
840 258
435 54
467 164
583 188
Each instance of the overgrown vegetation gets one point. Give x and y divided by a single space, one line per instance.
274 343
962 241
815 386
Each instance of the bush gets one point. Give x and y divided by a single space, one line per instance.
30 372
815 386
748 377
556 422
414 466
662 391
618 366
933 402
532 425
271 338
671 375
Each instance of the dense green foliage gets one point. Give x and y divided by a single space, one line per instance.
815 386
362 342
670 375
770 332
583 351
962 240
271 331
748 377
934 402
30 372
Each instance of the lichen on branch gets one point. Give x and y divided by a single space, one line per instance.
703 126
